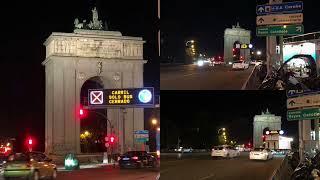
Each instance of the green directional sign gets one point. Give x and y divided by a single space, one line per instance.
283 30
303 114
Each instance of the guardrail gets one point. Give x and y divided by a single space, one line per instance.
283 171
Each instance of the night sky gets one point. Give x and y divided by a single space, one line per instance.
25 25
183 112
206 20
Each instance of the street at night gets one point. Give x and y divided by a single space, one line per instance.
108 172
193 77
203 167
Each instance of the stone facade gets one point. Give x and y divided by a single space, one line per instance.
260 122
230 37
73 58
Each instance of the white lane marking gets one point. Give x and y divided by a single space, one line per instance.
206 177
245 83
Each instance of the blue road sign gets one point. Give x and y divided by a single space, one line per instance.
141 136
295 93
290 7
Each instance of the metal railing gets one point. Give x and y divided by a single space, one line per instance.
304 37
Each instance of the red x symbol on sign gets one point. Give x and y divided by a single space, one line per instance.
96 97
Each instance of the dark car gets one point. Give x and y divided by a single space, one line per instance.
137 159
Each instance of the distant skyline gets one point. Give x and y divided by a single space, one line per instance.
184 112
205 21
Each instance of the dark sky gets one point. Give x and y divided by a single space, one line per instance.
25 25
182 112
206 20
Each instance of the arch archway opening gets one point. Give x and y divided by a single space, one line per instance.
93 127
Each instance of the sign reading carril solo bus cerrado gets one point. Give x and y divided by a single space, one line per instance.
133 97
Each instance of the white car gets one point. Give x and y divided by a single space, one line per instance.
260 154
225 151
240 65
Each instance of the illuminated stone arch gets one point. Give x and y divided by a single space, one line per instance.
73 58
261 122
232 35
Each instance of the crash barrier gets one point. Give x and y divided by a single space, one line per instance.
283 172
253 82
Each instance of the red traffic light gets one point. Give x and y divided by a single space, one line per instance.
30 141
112 139
82 113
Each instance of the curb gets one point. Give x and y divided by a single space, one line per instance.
87 166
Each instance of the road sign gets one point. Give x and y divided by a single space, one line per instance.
280 30
280 19
141 136
290 7
304 101
131 97
304 114
295 93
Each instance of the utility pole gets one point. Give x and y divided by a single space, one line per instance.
271 42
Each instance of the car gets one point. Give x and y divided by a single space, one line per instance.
137 159
32 165
225 151
240 65
260 154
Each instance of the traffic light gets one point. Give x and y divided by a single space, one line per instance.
30 141
112 139
82 113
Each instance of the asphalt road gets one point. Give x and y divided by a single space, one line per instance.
108 172
192 77
203 167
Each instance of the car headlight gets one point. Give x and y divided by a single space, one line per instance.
200 63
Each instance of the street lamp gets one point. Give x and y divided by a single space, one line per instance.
154 121
190 41
259 53
223 129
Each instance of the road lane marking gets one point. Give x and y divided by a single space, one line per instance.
207 177
245 83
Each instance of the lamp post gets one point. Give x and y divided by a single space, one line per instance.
154 123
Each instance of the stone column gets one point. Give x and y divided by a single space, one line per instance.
306 134
316 131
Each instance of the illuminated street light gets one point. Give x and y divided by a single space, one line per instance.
259 53
224 133
192 46
223 129
154 121
86 133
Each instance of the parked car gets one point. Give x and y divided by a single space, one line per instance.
32 165
260 154
225 151
137 159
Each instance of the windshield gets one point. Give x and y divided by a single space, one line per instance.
135 153
18 157
258 149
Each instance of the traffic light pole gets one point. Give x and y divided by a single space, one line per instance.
111 128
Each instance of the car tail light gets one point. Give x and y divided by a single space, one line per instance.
135 158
